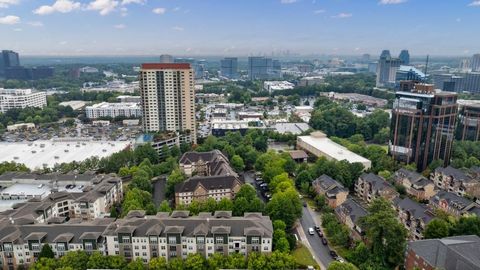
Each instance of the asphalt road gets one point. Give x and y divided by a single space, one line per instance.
159 190
321 252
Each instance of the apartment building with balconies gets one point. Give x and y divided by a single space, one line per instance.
334 192
370 186
451 203
414 216
214 178
415 184
349 213
138 236
457 181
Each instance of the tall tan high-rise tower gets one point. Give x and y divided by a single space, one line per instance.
168 97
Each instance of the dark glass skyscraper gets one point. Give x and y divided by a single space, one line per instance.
262 68
8 59
229 67
423 126
405 57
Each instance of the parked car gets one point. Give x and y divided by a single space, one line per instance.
304 204
333 254
319 232
324 241
311 231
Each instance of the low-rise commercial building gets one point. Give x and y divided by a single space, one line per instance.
272 86
319 145
113 110
74 104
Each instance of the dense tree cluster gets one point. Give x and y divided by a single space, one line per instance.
386 238
239 149
342 171
337 232
357 83
465 154
381 161
12 167
444 225
52 113
80 260
285 204
336 120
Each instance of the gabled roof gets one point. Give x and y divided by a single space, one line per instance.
416 210
208 182
352 209
456 253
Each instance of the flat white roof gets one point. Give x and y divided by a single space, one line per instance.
27 190
333 149
34 156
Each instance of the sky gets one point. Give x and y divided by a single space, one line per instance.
240 27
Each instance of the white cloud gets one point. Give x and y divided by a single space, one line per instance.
103 6
120 26
62 6
178 28
391 2
319 11
288 1
475 3
342 15
63 43
140 2
123 11
17 29
35 24
160 11
7 3
177 8
10 19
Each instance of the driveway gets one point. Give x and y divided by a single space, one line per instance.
159 190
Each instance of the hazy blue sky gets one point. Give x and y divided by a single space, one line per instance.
239 27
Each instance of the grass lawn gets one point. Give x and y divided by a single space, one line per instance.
303 256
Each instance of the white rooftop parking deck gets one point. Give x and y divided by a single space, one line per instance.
38 154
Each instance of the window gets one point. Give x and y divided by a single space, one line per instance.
219 240
172 240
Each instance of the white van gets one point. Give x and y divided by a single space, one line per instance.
311 231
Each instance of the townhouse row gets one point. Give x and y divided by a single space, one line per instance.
413 214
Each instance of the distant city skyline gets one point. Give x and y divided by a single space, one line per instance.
239 28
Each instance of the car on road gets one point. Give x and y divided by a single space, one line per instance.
324 241
340 260
319 232
304 204
333 254
311 231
